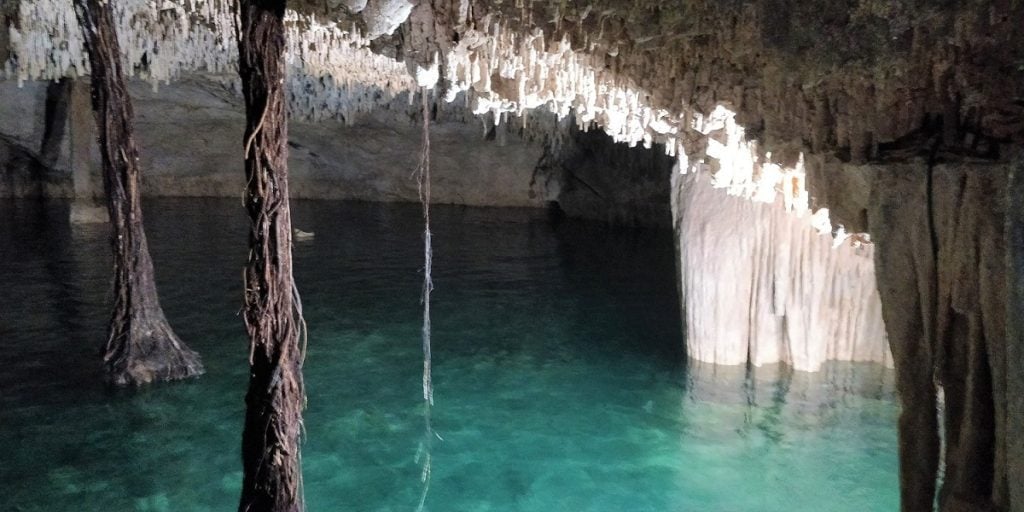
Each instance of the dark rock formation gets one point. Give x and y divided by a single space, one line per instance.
1014 442
591 176
905 266
941 264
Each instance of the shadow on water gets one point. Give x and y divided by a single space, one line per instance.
58 282
636 267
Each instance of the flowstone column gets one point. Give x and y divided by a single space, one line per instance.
760 285
1015 337
943 239
273 317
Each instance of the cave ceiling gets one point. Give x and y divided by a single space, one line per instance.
852 81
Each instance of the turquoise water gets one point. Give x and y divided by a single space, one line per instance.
560 382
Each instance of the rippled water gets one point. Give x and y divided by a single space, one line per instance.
560 382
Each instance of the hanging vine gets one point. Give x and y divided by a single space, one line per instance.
423 182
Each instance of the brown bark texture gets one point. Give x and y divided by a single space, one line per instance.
141 347
270 442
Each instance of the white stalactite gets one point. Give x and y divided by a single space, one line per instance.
332 73
772 285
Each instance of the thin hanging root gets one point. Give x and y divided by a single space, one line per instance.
425 478
423 182
303 328
256 131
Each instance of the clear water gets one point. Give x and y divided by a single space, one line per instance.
560 383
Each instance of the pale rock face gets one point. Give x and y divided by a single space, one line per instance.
189 136
382 17
354 5
762 285
426 76
762 279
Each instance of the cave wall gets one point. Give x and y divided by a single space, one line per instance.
845 81
759 284
942 271
591 176
1015 335
189 134
34 149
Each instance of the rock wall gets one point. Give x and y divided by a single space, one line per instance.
761 285
1015 335
34 151
591 176
941 261
190 132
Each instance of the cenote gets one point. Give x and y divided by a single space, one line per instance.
560 377
524 256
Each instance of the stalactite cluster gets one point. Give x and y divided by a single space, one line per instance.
642 71
331 71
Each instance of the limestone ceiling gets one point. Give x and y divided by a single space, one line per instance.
720 83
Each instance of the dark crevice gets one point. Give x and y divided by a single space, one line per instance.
583 182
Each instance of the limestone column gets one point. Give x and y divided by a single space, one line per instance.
85 207
760 285
501 131
1015 337
905 268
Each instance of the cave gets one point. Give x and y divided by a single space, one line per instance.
754 255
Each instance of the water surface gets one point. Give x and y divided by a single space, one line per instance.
560 380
